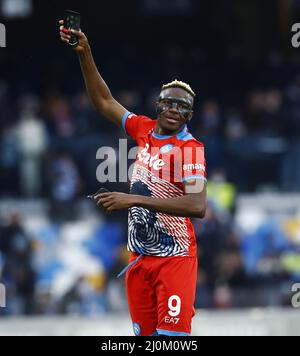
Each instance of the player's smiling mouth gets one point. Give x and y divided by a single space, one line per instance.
172 119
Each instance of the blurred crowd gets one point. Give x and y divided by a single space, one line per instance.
71 267
249 121
49 140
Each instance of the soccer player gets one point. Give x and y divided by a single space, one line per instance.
168 187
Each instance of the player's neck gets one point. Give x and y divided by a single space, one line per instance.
162 132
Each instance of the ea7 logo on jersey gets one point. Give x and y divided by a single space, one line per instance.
169 320
192 167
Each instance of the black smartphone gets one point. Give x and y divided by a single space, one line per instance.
72 22
100 191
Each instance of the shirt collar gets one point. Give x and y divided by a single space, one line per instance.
164 137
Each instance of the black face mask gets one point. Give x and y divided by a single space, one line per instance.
183 106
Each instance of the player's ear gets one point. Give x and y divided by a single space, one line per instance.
191 114
156 107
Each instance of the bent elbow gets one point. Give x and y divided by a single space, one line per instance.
202 209
203 213
199 212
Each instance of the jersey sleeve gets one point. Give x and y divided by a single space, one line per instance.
193 162
136 126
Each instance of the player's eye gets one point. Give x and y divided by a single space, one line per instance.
182 106
167 102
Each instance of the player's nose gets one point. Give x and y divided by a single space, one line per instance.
174 109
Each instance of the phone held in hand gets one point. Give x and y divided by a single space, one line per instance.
72 22
100 191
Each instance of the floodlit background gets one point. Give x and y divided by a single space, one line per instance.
59 255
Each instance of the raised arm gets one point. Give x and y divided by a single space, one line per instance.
96 87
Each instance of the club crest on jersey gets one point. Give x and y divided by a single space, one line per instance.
153 161
166 148
136 329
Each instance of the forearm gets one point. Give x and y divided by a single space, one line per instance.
97 89
185 206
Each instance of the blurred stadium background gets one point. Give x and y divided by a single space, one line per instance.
59 255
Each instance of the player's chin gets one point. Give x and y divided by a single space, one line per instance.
171 125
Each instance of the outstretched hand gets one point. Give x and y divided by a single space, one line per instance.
65 36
